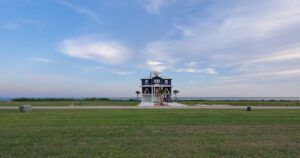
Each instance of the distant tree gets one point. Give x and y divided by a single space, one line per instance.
175 93
137 94
41 99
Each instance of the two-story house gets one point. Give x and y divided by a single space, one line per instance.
151 86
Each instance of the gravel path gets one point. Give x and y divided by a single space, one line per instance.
150 104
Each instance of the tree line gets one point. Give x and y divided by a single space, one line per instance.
67 99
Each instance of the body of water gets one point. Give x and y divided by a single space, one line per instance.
5 99
238 98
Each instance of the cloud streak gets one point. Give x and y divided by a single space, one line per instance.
210 71
233 36
43 60
285 55
261 75
9 26
122 72
155 6
81 10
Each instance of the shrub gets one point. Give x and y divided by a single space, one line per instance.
25 108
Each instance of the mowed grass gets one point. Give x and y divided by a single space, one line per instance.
242 102
135 103
150 133
75 103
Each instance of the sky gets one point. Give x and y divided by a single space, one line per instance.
97 48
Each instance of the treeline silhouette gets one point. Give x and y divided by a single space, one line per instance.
67 99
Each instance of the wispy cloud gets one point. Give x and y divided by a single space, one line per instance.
22 23
9 26
288 54
261 75
122 72
108 52
210 71
154 6
233 36
41 59
93 68
81 10
156 65
192 63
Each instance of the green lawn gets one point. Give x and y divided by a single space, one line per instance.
150 133
242 103
135 103
67 103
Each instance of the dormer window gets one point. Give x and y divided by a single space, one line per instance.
157 81
146 81
166 82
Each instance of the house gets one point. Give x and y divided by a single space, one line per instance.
151 86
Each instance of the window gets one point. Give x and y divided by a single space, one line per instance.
146 82
157 81
166 82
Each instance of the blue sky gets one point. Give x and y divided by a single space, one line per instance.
93 48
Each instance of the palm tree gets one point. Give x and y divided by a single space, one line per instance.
137 94
176 92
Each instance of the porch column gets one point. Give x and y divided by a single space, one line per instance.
152 98
142 95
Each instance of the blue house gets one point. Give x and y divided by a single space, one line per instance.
151 86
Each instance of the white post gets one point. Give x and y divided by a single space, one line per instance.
152 92
171 94
142 95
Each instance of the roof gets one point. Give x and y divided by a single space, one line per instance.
156 74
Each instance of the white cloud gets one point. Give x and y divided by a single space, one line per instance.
156 66
81 10
121 72
232 29
210 71
192 63
21 23
160 57
9 26
93 68
43 60
289 54
260 75
236 39
190 70
109 52
154 6
154 63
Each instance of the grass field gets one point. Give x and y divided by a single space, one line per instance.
150 133
68 103
242 103
135 103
